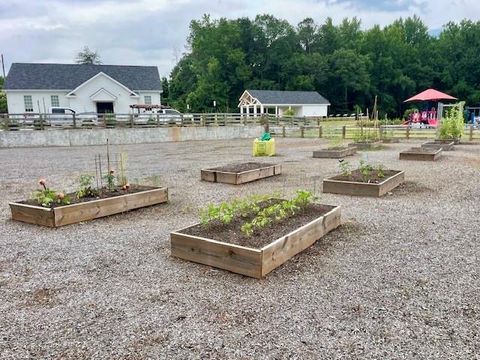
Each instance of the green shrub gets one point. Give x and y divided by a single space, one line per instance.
452 124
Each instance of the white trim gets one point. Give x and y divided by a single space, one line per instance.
102 90
101 73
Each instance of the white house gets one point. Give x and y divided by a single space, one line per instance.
303 103
83 88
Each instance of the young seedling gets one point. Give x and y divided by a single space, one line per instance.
47 197
345 168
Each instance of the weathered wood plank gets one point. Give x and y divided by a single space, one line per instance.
281 250
363 189
230 257
445 146
243 177
89 210
421 154
32 214
335 153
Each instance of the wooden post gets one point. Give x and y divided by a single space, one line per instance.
131 120
158 120
302 131
320 131
407 134
74 121
344 132
470 137
283 131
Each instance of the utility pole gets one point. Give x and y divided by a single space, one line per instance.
3 66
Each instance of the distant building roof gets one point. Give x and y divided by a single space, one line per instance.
288 97
69 76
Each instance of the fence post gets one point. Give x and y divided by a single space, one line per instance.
344 132
302 131
283 131
320 131
158 120
74 121
471 133
407 134
131 120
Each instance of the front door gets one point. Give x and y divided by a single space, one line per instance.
104 107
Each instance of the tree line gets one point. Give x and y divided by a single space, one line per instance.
347 65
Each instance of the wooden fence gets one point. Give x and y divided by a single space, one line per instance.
34 121
351 132
319 127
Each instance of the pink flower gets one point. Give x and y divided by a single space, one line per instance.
42 181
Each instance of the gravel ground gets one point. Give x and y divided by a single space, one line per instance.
398 280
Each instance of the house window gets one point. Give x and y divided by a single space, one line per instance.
27 99
55 101
148 100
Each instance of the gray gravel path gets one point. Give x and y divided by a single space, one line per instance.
399 280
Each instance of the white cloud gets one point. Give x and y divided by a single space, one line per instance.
153 32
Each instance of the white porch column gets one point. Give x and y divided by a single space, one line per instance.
276 111
241 110
261 109
255 110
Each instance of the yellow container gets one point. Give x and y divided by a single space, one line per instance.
263 148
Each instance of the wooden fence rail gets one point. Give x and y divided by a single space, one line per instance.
319 127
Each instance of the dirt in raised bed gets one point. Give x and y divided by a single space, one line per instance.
103 194
237 168
372 178
231 233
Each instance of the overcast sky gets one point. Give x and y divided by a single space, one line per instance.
153 32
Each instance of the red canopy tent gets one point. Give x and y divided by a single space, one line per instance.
431 95
427 117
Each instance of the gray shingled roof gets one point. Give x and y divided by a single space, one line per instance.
288 97
69 76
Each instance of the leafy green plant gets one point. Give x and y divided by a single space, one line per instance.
289 112
452 124
365 169
278 211
366 135
85 188
257 212
380 171
345 168
225 211
46 197
110 178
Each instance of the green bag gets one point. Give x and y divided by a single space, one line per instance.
265 137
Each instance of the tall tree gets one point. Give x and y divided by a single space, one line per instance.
348 65
87 56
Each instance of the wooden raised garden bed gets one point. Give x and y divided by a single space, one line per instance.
378 187
367 145
445 146
335 153
88 210
252 260
240 173
422 154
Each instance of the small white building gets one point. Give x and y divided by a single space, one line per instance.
36 88
303 103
